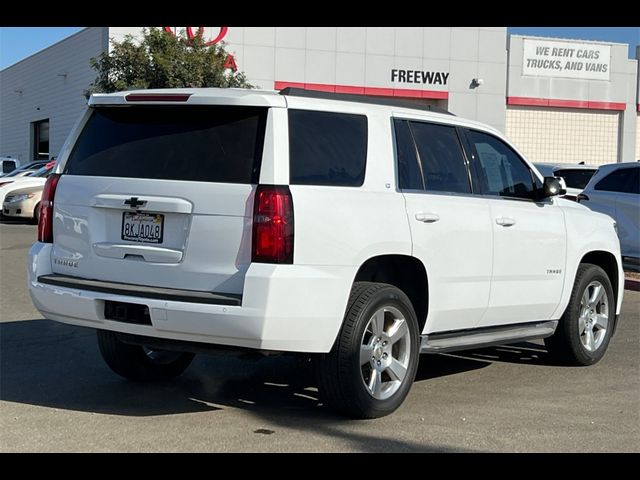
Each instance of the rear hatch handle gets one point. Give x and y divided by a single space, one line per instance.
147 203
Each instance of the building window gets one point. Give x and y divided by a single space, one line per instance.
41 140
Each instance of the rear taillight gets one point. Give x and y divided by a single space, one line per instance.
272 225
45 219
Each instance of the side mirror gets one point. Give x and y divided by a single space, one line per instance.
552 186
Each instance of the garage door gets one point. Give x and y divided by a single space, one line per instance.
564 135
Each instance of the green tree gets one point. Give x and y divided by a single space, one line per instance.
162 60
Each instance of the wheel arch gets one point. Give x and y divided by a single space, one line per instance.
606 261
404 272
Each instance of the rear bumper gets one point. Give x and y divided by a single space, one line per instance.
293 308
140 291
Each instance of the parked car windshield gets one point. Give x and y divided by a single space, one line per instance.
17 173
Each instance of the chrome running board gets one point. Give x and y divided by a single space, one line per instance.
485 337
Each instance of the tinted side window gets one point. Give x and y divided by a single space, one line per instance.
327 148
441 157
625 180
634 181
502 172
409 172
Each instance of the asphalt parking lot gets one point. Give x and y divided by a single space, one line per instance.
56 394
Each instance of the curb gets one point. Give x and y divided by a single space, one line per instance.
632 285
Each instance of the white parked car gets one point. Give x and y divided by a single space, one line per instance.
575 176
358 232
37 178
615 191
23 203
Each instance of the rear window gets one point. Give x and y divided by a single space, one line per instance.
327 148
624 180
207 144
575 178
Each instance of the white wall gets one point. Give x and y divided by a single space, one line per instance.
34 89
629 141
117 34
365 56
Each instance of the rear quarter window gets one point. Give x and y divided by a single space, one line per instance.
327 148
195 143
623 180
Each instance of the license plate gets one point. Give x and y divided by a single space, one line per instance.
142 227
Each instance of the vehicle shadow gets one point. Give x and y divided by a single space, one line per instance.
55 365
15 220
522 353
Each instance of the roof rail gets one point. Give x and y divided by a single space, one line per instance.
350 97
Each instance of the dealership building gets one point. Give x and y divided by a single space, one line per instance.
558 100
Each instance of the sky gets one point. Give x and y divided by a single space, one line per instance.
17 43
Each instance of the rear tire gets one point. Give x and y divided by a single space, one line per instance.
373 363
138 363
585 329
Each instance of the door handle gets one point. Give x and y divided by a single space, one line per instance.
505 221
427 217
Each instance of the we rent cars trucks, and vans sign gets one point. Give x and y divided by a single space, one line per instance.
550 58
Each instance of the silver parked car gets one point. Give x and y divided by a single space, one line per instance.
615 191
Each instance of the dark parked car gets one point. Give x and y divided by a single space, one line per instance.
576 176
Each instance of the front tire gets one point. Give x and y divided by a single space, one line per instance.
585 329
36 214
373 363
140 364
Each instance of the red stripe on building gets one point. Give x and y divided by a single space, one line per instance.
568 103
347 89
281 85
555 102
607 105
383 92
534 102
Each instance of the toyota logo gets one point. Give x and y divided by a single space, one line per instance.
200 32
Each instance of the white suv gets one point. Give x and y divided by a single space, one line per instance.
358 230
